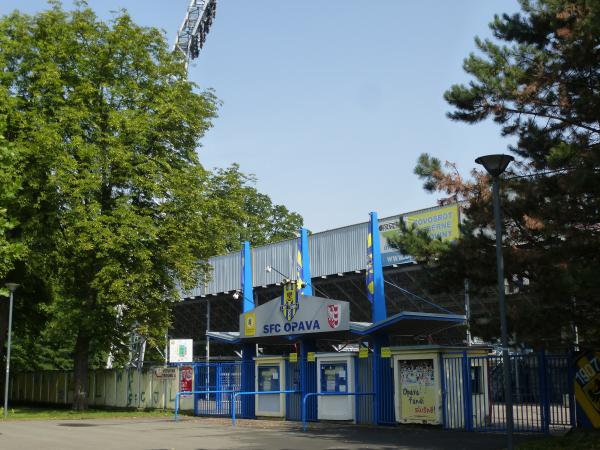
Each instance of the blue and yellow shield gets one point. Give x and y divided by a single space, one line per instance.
289 301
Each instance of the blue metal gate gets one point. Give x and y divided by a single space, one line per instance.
473 394
364 383
293 381
219 376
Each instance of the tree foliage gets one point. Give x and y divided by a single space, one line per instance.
114 208
539 79
246 214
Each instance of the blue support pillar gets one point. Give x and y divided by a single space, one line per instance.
247 287
383 383
467 394
304 262
247 380
375 272
308 377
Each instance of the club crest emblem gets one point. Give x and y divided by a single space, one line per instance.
289 301
333 315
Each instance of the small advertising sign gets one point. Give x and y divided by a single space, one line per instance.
363 352
181 350
186 379
165 373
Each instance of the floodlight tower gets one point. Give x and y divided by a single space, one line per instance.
195 27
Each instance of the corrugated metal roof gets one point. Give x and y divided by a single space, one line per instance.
333 251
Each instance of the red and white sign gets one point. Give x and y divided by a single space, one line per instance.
333 315
186 379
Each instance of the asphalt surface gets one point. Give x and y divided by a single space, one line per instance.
199 434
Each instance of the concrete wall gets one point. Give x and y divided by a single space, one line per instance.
119 388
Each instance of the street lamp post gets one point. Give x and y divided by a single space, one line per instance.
12 287
495 165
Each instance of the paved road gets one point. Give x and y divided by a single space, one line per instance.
197 434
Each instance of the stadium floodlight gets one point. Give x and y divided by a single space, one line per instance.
192 33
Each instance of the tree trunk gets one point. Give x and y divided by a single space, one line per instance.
80 368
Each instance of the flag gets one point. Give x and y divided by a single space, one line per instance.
299 273
370 280
374 281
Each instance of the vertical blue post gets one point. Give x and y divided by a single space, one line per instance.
544 397
383 403
378 307
308 378
305 263
197 387
571 383
247 288
467 395
357 388
247 371
443 384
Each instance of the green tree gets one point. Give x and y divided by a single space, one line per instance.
246 214
113 197
540 80
12 249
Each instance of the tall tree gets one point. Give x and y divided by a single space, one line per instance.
12 249
245 214
113 195
540 80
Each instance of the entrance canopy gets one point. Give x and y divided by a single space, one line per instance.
285 320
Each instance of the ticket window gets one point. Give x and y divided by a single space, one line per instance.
269 379
336 376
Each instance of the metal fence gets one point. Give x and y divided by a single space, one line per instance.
221 376
474 399
293 402
364 383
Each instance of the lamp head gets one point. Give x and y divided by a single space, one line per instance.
495 165
12 287
268 269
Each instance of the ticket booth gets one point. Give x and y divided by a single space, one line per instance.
335 373
270 377
418 372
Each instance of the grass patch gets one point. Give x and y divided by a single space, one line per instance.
575 439
40 413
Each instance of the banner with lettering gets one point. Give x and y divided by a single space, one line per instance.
417 391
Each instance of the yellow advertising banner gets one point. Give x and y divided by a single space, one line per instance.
310 356
587 387
363 352
440 223
418 404
294 357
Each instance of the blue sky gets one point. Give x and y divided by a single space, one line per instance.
329 103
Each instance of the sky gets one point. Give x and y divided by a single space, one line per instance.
329 103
